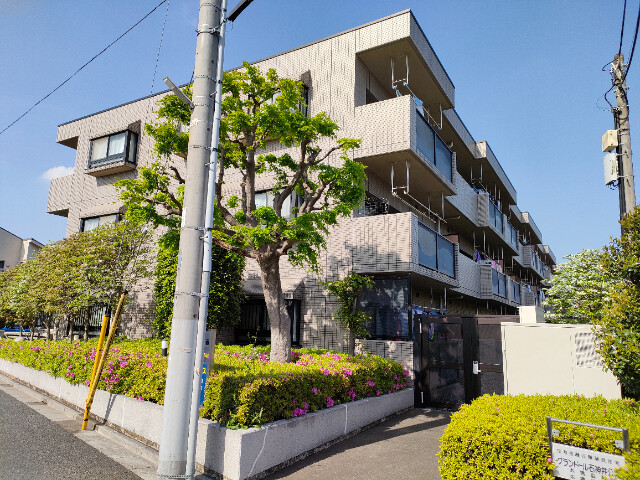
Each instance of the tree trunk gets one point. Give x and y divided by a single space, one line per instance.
352 342
87 317
278 316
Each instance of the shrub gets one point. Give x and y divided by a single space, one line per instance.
134 368
249 390
245 388
505 437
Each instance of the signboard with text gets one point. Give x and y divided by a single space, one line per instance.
575 463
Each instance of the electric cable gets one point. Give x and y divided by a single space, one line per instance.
624 13
81 68
633 47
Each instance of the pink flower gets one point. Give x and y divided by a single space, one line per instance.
325 371
141 399
330 402
549 460
371 383
314 390
123 363
149 364
305 405
378 393
298 412
236 354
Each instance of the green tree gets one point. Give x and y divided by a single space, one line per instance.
349 291
258 110
156 195
618 330
225 293
579 289
84 269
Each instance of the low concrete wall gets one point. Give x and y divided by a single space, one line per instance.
220 452
554 359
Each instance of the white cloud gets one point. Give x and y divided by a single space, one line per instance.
56 172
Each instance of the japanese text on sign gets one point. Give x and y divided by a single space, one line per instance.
574 463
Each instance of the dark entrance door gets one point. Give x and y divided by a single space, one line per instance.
446 350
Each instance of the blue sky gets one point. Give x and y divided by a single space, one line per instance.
527 75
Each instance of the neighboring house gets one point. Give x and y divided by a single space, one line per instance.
440 229
15 250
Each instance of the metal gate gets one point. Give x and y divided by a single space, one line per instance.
458 359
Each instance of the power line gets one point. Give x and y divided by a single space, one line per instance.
624 13
635 37
81 68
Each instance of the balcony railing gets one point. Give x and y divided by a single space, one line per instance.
511 234
433 148
499 283
515 292
435 251
495 216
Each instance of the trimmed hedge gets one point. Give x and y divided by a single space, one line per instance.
505 437
247 390
244 389
134 368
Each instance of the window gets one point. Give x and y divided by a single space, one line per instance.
1 265
89 223
113 148
303 105
255 325
265 199
388 303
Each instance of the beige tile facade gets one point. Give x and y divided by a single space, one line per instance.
345 73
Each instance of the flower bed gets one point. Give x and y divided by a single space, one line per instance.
244 390
504 436
247 390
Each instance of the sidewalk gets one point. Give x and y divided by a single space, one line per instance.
404 447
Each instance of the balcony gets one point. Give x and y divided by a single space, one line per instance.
396 243
59 198
481 280
499 228
531 260
398 145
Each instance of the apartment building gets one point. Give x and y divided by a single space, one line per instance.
15 250
440 230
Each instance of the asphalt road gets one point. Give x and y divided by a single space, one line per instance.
34 447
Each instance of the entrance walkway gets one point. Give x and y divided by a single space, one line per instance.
403 447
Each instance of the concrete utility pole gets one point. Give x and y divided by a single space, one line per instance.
172 458
626 184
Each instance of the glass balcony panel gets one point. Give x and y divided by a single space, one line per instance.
427 247
443 159
426 139
495 287
502 285
446 263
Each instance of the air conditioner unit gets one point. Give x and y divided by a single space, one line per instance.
609 140
610 168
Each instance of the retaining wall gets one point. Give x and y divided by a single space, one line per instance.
223 453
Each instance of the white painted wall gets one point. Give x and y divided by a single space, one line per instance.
543 358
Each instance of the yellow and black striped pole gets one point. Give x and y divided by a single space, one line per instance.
103 357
